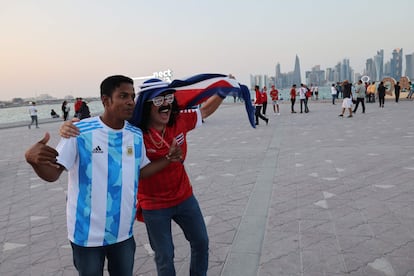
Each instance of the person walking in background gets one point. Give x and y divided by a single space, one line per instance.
293 93
339 89
334 93
410 89
65 110
366 84
302 97
347 101
316 92
360 96
372 90
264 99
258 103
308 95
312 91
33 115
83 111
274 94
381 94
76 106
397 89
101 209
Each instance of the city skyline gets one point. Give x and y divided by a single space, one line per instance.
68 47
376 69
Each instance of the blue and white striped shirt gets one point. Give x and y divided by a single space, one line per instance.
103 166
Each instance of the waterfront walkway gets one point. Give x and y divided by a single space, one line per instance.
309 194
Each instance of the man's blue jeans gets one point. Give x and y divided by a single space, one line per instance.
188 216
89 261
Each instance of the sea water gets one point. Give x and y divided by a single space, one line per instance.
21 114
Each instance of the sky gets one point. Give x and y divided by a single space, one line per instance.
68 47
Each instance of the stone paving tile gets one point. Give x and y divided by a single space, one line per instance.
341 200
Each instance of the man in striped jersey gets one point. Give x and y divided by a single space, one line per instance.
104 163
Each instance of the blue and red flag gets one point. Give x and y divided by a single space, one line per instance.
193 91
197 89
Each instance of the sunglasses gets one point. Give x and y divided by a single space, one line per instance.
158 101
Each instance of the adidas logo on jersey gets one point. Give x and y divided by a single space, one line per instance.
97 150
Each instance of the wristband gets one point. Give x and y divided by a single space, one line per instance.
221 95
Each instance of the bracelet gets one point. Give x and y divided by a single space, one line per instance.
167 156
221 95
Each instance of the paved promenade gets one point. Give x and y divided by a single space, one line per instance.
309 194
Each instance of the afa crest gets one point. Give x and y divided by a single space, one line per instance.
130 150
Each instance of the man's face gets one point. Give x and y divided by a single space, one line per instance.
161 108
121 104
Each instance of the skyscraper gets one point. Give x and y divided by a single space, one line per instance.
409 66
370 69
379 64
396 63
278 76
346 73
296 72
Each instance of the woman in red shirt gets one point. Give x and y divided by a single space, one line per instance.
258 104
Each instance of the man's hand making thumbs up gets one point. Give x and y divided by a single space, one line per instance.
43 160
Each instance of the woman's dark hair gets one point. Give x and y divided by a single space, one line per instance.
146 113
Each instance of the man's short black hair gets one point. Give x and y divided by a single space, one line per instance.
109 84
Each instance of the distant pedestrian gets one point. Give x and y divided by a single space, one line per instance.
76 106
65 110
33 115
339 89
258 104
264 99
334 93
381 94
360 96
371 91
315 91
84 111
293 98
274 94
410 90
303 99
308 95
347 101
397 89
53 114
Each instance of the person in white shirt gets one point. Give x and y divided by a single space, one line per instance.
33 115
316 92
334 93
360 96
302 96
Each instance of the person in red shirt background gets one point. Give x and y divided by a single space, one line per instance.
76 106
293 98
274 94
258 104
264 100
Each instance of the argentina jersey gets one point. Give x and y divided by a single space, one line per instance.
103 167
